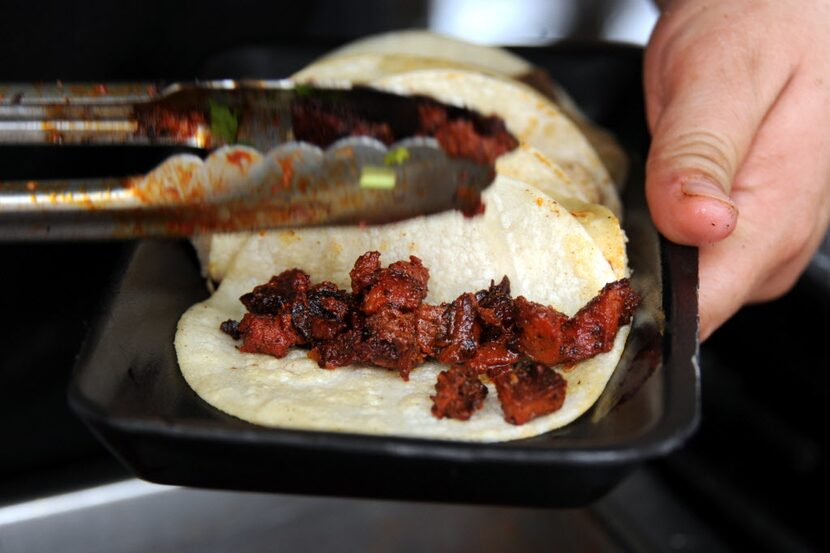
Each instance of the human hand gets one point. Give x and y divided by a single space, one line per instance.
738 103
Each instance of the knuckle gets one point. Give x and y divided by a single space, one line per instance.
706 151
796 249
777 286
798 233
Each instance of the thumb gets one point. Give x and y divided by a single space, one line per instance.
701 136
695 153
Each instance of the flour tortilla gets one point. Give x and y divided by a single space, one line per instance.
427 44
530 166
524 234
216 251
365 68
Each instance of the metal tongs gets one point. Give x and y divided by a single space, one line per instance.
260 171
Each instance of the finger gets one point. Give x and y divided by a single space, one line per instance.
723 292
783 194
707 116
746 266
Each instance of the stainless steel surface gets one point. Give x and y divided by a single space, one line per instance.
295 184
136 516
77 114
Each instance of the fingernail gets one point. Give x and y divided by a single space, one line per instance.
703 187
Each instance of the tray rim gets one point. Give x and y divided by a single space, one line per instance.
677 421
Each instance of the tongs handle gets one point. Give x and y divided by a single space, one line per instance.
312 156
34 94
77 113
202 115
295 184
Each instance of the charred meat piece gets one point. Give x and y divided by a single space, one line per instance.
323 313
323 122
482 139
492 357
539 330
402 285
495 306
231 328
431 326
365 272
461 341
278 294
469 201
432 117
339 352
528 391
458 394
459 138
547 336
390 340
593 329
270 334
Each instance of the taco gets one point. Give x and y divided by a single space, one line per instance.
543 231
544 251
553 150
390 53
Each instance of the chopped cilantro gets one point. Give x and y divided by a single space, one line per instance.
303 89
396 156
223 123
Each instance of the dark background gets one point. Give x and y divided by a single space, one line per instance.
97 40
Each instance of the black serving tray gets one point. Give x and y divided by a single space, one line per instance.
127 386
